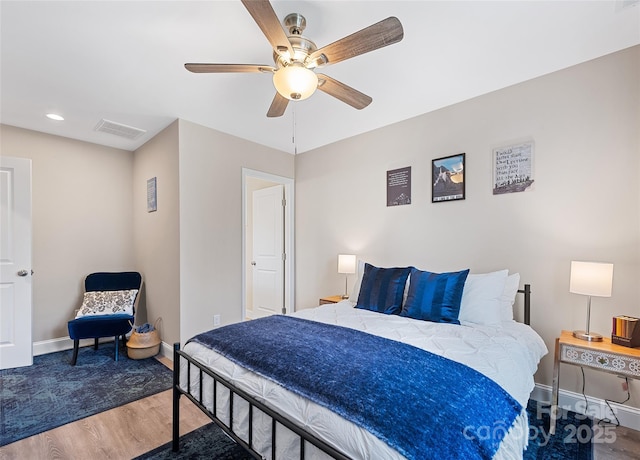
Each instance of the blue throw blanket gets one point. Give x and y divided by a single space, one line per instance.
421 404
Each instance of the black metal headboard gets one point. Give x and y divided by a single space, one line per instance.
527 303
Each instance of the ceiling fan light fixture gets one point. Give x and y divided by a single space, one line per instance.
295 82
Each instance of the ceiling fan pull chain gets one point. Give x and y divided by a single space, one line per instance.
293 136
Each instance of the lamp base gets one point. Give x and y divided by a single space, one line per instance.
345 296
588 336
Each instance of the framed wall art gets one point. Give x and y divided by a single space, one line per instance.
399 186
152 195
447 178
513 168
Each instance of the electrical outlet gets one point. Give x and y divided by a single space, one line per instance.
216 320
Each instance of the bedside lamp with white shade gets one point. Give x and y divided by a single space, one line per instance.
346 266
593 279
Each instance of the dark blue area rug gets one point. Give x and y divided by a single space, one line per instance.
52 393
572 440
208 442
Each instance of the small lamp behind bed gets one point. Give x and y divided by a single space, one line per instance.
590 279
346 265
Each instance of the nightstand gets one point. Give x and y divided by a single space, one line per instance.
330 299
603 356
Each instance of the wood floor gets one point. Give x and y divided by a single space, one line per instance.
133 429
121 433
625 447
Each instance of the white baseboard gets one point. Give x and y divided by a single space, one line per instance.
64 343
166 351
597 408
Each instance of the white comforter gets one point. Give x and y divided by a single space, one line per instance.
509 355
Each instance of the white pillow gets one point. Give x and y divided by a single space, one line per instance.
107 303
355 291
509 297
481 298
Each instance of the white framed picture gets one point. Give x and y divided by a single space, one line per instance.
513 168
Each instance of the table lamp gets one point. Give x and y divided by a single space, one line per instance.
590 279
347 266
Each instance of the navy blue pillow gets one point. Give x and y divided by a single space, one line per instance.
382 289
435 296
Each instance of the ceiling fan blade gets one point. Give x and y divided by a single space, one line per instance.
262 12
345 93
225 68
381 34
278 106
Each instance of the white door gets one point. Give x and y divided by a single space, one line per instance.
16 348
268 251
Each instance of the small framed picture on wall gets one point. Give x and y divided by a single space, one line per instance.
399 186
447 178
152 195
513 168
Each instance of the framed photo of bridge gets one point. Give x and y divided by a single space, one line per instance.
447 178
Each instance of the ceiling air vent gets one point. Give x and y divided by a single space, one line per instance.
622 4
118 129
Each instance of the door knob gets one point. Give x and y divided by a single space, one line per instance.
253 262
23 272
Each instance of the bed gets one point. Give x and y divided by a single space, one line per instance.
348 390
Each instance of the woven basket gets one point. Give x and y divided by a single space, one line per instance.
144 345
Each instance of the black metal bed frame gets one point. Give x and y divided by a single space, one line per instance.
276 418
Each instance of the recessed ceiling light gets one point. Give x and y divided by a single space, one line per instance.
55 116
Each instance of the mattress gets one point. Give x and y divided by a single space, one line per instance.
509 355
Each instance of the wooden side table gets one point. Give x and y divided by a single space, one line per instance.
603 356
330 299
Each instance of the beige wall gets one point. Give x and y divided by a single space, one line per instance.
82 219
584 121
211 231
157 234
89 214
190 249
89 207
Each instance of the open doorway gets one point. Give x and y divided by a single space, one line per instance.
267 280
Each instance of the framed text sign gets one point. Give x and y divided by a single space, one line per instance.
513 168
399 186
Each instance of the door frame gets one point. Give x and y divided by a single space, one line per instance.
289 231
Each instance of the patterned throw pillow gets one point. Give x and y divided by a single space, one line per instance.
107 303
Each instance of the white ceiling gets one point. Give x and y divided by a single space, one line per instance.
123 61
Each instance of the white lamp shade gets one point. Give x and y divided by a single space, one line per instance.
295 82
591 278
346 263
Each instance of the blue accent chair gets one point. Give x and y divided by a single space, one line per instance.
115 325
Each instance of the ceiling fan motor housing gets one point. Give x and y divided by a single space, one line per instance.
294 78
302 46
295 22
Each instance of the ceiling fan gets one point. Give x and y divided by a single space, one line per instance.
296 57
